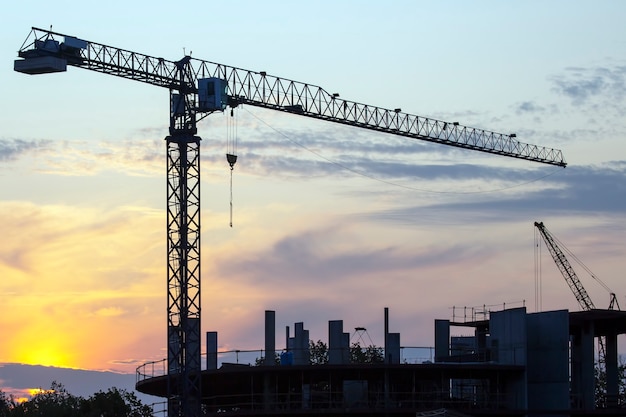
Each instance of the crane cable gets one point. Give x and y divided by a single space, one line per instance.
579 262
231 152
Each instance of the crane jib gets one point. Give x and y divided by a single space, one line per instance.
217 86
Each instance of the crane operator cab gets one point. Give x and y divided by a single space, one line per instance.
212 94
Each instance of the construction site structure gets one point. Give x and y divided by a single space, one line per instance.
199 88
509 362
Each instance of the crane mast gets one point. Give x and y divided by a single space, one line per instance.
197 89
183 249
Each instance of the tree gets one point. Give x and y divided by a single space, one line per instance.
55 402
6 403
369 354
113 403
318 352
261 361
358 354
600 385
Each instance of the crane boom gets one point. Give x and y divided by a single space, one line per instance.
566 268
257 88
574 283
198 88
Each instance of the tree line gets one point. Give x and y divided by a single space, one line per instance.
58 402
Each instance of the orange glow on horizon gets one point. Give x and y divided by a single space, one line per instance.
34 391
27 394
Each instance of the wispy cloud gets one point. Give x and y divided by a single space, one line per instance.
134 158
12 149
529 107
603 86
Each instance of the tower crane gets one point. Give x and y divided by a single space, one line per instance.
573 281
197 89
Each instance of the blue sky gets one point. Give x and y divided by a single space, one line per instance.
330 222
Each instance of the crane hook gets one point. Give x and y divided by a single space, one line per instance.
231 154
232 160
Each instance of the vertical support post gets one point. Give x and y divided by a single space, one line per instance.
270 358
582 378
386 336
211 351
612 372
387 357
335 342
270 338
442 340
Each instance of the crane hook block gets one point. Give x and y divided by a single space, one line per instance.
212 94
232 160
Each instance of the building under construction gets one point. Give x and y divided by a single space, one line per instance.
515 364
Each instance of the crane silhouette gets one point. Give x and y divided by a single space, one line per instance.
197 89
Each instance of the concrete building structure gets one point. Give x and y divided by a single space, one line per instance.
515 364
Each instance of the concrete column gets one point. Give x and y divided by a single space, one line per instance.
335 342
297 343
612 374
575 372
393 346
306 353
301 345
442 350
583 362
442 339
386 335
345 348
270 353
211 350
270 338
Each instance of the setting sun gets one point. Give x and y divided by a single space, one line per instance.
48 353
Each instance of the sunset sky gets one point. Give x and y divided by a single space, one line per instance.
330 222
